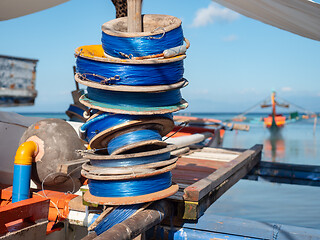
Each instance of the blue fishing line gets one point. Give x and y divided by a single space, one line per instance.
135 99
141 46
132 137
125 162
118 215
130 74
130 187
105 121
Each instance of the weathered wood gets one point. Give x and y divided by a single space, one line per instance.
194 209
236 151
132 175
134 16
203 187
96 53
129 169
72 167
212 156
126 88
180 151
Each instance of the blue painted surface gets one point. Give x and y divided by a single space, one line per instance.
192 234
21 182
248 228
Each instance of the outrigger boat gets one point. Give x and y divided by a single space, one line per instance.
274 121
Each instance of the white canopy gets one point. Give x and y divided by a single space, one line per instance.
17 8
301 17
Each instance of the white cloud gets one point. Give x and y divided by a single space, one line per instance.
286 89
230 38
213 13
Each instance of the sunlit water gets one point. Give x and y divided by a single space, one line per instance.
264 201
272 202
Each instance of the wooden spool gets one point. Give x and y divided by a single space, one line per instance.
136 169
88 197
70 114
131 110
96 53
134 175
153 24
103 157
137 146
125 88
162 124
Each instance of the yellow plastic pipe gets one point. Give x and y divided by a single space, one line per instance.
26 153
22 170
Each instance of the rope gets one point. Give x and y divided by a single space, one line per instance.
130 187
124 47
135 99
130 74
118 215
131 138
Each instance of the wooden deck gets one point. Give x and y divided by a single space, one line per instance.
204 175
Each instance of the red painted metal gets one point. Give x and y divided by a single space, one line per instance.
27 211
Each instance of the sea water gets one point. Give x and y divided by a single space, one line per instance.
264 201
272 202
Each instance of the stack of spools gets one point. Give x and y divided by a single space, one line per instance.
133 85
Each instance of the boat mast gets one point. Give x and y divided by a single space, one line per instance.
273 102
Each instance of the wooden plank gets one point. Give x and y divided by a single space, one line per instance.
72 167
134 16
203 187
212 156
194 209
200 163
222 150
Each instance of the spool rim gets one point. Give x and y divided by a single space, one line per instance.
128 88
173 159
101 177
109 27
88 197
96 53
97 157
102 138
183 104
139 144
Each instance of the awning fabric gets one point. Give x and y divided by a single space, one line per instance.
301 17
16 8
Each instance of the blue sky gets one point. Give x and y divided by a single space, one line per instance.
233 61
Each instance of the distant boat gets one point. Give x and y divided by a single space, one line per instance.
274 121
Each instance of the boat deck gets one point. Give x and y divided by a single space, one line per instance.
203 175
